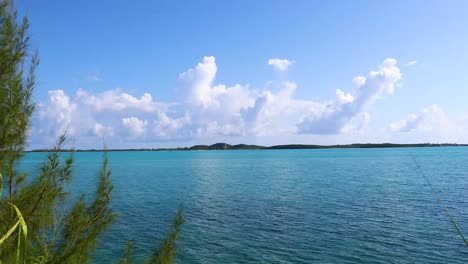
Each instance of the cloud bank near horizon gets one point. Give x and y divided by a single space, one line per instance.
203 109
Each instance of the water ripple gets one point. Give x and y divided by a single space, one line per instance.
288 206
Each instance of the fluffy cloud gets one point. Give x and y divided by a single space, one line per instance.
114 100
332 116
166 127
431 118
103 131
280 64
55 115
134 126
204 109
430 125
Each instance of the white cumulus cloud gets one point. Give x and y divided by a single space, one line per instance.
430 125
134 126
205 110
280 64
431 118
334 115
56 114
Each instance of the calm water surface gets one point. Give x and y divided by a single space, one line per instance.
285 206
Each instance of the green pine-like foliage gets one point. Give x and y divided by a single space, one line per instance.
37 223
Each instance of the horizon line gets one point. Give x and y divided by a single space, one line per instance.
242 146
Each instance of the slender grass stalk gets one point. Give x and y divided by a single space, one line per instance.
20 223
18 247
9 232
23 225
22 230
442 204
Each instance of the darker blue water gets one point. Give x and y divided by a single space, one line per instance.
285 206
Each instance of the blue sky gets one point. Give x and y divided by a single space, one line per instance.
142 47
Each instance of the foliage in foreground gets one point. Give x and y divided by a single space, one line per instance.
37 223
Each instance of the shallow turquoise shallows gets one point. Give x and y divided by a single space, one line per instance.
285 206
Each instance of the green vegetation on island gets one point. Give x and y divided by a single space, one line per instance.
225 146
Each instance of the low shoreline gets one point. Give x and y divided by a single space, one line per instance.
224 146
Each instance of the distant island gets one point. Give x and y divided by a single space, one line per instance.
225 146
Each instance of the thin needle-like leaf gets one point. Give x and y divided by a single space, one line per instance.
24 227
9 232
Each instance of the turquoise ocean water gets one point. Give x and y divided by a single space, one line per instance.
285 206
